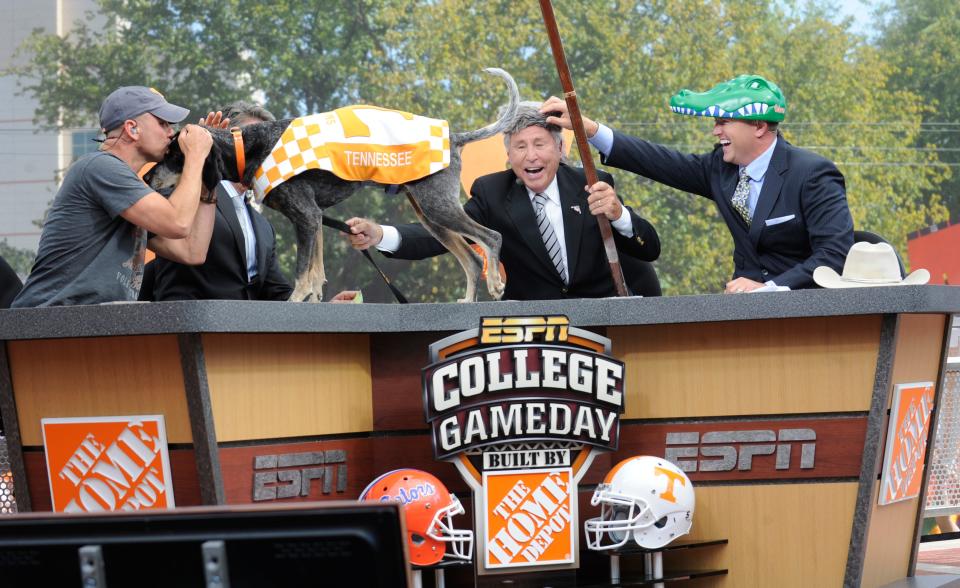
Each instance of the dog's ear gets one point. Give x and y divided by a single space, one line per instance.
212 168
222 165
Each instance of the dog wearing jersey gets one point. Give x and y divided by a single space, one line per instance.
302 166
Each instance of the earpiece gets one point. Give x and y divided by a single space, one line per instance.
134 130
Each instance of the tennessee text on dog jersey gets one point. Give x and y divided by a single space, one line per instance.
358 143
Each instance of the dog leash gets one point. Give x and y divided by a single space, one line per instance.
343 228
239 151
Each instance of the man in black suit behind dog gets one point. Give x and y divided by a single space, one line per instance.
565 261
241 262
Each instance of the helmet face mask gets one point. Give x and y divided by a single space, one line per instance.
644 498
442 529
428 509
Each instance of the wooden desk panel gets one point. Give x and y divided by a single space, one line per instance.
890 538
269 386
788 366
98 376
780 535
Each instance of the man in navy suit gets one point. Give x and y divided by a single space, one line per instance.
573 265
242 261
786 207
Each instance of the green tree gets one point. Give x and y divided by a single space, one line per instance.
204 54
627 58
921 39
426 56
21 260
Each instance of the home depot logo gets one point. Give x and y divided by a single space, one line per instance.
107 464
528 518
906 448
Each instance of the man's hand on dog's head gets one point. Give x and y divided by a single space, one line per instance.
215 120
555 109
364 233
195 141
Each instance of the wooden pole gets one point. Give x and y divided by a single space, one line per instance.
570 96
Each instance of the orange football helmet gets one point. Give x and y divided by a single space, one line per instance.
428 508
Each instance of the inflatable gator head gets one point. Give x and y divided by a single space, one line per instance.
746 97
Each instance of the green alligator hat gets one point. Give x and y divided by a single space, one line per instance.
747 97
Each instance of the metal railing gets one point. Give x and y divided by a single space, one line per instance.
943 490
8 504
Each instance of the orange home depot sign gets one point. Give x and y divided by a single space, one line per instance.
906 442
530 518
107 463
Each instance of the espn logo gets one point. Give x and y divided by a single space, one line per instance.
290 475
726 450
523 329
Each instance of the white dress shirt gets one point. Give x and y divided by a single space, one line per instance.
623 225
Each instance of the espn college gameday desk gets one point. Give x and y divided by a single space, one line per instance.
776 406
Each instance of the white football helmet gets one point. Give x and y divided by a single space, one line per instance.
645 497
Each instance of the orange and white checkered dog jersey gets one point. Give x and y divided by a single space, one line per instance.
357 143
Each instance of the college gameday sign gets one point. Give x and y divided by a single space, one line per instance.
521 405
107 463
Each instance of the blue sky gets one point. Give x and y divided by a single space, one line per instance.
859 10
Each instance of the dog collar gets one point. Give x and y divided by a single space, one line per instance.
238 150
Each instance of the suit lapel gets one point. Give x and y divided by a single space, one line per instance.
572 195
772 183
520 211
225 207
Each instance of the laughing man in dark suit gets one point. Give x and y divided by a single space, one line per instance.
573 265
242 260
786 207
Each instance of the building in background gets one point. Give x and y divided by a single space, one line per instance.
32 161
935 248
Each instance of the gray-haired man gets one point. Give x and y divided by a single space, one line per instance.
552 246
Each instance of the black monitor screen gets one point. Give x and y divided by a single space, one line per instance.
323 544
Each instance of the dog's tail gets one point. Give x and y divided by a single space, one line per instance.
506 117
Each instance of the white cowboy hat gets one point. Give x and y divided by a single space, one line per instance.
869 264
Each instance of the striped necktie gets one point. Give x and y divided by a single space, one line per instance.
549 237
740 196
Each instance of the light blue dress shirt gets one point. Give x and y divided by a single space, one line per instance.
246 224
757 170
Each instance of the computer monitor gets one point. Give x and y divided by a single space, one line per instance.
324 544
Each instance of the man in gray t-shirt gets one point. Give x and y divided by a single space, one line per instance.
93 242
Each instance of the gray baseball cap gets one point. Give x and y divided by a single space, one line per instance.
131 101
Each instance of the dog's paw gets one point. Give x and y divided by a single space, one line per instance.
496 290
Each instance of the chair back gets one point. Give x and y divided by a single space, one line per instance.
874 238
10 284
640 276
